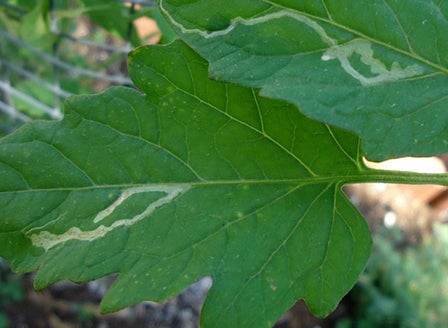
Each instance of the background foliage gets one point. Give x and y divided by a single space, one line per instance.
206 150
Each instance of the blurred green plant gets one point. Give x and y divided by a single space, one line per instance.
42 62
10 291
403 286
85 317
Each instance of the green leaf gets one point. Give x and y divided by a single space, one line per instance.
378 68
35 26
193 178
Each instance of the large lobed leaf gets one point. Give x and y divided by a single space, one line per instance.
193 178
375 67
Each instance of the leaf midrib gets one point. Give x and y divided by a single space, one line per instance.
365 176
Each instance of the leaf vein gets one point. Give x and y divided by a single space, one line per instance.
236 120
280 246
69 160
18 172
403 32
153 144
389 46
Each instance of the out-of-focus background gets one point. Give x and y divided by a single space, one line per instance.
50 50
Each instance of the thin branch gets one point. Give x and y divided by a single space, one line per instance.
52 112
124 50
55 89
139 2
72 70
11 7
13 113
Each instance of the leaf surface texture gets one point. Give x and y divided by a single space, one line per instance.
190 178
377 68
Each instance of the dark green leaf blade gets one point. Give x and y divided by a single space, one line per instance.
196 178
378 68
